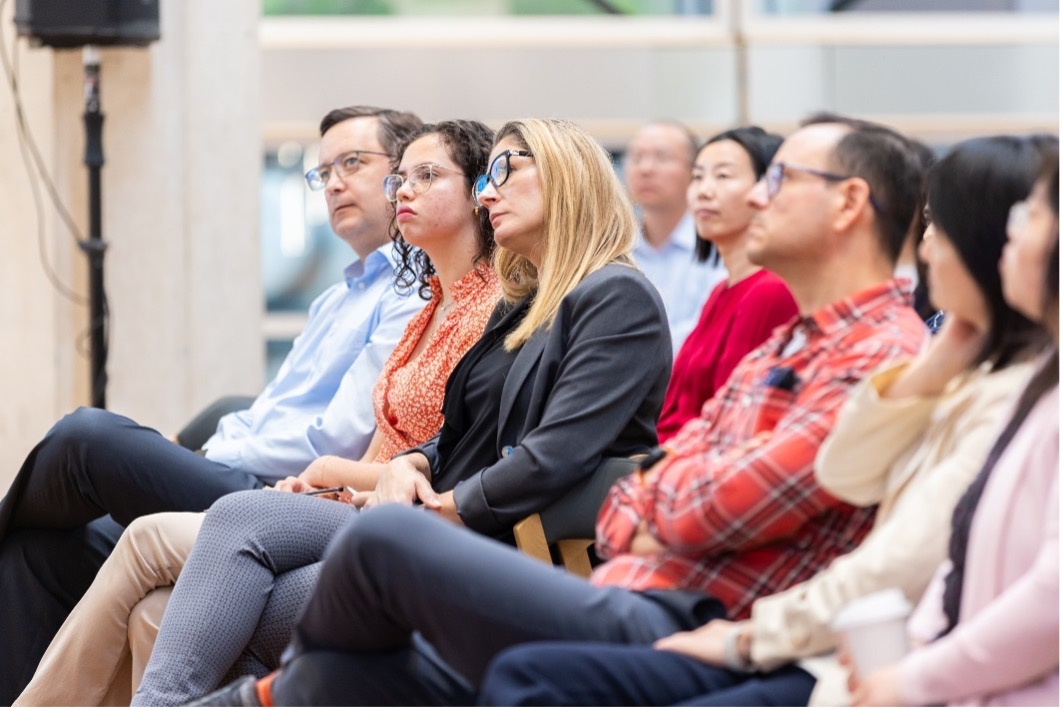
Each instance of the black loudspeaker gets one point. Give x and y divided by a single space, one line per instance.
64 24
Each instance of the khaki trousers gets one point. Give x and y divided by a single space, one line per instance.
99 654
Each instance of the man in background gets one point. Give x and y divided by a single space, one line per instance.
657 169
729 511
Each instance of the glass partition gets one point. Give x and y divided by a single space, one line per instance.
813 7
941 70
486 8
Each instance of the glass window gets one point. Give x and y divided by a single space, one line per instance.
796 7
301 256
487 7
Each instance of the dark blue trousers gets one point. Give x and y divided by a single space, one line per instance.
412 609
91 475
412 676
590 674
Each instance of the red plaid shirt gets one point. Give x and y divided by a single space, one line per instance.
736 504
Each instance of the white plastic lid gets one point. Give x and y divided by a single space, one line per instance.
888 604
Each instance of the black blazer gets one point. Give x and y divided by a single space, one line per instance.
593 385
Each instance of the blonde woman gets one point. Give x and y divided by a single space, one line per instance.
572 368
910 439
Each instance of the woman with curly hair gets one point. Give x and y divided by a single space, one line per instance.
571 369
444 247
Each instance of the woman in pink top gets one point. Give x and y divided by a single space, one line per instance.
741 311
987 630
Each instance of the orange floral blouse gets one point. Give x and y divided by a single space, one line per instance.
408 395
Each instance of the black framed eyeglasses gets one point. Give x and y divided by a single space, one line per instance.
419 179
773 177
345 165
497 173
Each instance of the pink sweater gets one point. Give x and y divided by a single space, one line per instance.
1005 649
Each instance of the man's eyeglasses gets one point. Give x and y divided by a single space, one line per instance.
776 171
419 180
654 158
497 174
345 165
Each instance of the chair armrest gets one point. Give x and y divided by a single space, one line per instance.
196 433
569 521
574 514
531 539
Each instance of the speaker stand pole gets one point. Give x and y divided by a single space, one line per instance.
94 247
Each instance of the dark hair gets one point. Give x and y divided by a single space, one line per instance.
832 117
1046 378
1050 174
921 296
971 191
469 145
888 162
760 146
395 126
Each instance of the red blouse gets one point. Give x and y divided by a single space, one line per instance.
735 319
408 395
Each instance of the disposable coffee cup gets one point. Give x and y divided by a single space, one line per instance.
874 629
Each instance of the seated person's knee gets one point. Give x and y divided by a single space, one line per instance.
82 425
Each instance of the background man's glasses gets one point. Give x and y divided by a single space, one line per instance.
775 173
419 180
497 174
652 158
345 165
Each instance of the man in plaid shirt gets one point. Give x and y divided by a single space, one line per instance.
730 513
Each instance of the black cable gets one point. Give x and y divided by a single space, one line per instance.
25 133
84 338
30 159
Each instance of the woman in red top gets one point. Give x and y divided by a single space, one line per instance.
741 311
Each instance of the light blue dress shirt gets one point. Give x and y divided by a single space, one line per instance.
683 282
321 400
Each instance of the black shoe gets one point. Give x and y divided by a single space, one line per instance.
241 692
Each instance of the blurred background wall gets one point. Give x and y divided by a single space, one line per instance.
183 148
217 247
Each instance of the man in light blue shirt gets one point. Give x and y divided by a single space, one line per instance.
320 402
95 471
657 168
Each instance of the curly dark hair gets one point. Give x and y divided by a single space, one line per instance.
469 145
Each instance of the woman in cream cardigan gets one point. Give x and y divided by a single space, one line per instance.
910 439
987 629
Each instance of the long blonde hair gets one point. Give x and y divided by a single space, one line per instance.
588 220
